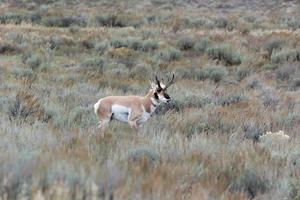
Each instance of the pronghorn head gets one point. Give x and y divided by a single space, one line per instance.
160 90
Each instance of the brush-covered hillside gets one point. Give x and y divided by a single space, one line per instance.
231 132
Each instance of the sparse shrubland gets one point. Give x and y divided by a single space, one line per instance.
237 90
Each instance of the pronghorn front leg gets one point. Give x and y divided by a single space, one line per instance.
133 125
134 117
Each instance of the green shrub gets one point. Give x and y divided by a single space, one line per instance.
4 100
65 21
34 61
269 100
192 101
283 56
225 54
25 108
253 131
10 18
140 71
105 20
185 72
295 83
24 73
57 42
202 45
250 18
242 72
119 71
88 44
143 154
119 42
82 116
117 20
228 99
214 73
193 128
149 45
101 47
134 43
272 45
250 182
63 170
253 84
15 37
221 22
185 43
9 49
285 73
94 65
169 54
294 192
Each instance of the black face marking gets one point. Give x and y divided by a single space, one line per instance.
155 95
166 96
159 90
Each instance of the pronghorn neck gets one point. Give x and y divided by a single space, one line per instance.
150 102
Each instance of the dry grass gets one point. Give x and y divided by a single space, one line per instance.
236 79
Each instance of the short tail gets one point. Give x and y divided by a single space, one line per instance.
96 106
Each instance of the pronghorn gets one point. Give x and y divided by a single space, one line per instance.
132 109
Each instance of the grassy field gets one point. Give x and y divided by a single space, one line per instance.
237 71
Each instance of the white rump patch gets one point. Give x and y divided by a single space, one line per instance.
120 112
96 106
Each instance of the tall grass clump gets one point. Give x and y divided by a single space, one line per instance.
242 72
170 54
251 182
134 43
214 73
94 65
118 43
286 55
224 54
149 45
286 72
202 45
272 45
101 47
25 108
64 22
143 154
185 43
139 71
33 61
221 22
21 73
118 20
7 49
10 18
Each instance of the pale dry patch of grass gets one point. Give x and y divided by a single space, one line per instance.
205 145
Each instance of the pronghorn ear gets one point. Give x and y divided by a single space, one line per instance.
153 85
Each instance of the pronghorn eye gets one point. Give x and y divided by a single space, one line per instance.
158 90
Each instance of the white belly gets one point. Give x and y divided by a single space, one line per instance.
120 113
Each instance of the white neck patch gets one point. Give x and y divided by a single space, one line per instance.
154 101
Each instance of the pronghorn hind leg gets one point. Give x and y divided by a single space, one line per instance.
102 125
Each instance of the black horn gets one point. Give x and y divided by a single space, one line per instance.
157 81
171 81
